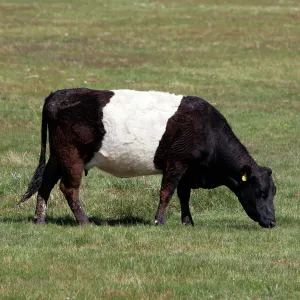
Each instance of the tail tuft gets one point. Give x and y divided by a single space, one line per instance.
35 183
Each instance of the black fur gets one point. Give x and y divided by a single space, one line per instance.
199 141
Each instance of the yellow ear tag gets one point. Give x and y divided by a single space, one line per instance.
244 177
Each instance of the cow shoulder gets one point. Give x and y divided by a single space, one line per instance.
186 134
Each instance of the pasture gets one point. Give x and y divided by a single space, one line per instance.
243 57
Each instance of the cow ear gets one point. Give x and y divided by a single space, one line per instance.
246 173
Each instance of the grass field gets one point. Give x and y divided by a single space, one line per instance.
243 57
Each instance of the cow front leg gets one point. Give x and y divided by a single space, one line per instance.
184 192
170 180
50 177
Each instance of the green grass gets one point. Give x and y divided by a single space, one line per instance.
241 56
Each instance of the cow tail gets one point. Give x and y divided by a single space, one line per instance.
37 177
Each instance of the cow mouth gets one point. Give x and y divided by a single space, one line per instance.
270 224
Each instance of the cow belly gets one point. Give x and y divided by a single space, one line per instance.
122 167
134 123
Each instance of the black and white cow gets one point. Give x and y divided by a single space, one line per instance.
131 133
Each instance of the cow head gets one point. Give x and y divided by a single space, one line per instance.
256 192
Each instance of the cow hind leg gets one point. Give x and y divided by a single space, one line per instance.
70 183
184 192
170 180
51 175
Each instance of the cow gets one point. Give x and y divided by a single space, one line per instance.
130 133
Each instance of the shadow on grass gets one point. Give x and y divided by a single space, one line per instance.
124 221
135 221
69 221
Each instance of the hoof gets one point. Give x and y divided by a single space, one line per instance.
156 222
83 222
187 221
187 224
39 221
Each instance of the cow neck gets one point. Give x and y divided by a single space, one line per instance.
234 157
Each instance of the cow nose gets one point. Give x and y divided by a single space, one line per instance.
272 224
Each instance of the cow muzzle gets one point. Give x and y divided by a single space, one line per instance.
270 224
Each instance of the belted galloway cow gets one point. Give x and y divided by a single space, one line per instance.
131 133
